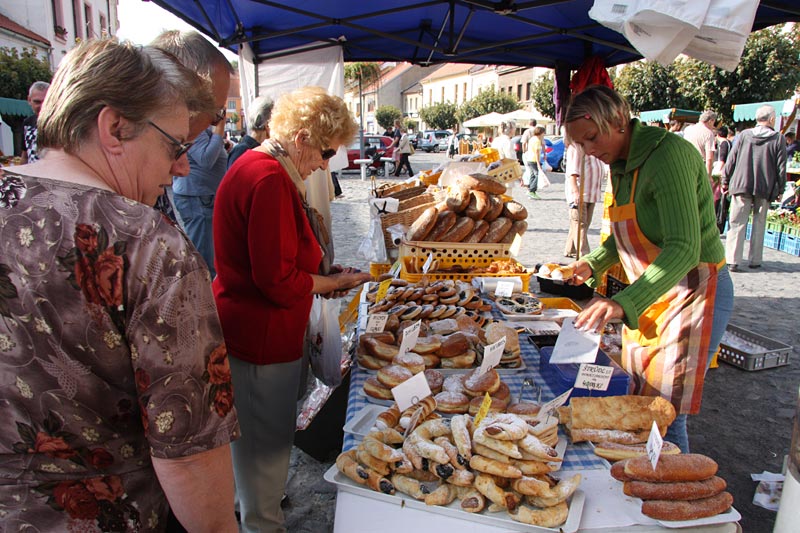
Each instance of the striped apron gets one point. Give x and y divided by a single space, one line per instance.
667 355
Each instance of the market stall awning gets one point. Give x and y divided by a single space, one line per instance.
665 115
504 32
522 115
14 107
741 112
488 120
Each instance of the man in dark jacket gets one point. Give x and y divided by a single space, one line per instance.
754 175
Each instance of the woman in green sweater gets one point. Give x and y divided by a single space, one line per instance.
664 234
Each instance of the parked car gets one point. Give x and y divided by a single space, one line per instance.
554 152
516 142
433 140
372 143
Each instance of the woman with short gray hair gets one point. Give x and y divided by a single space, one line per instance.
258 124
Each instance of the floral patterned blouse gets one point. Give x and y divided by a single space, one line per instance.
110 352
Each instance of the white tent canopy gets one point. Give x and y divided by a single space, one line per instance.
488 120
522 115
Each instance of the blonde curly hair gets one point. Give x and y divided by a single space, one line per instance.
325 117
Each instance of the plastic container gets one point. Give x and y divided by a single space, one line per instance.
753 351
790 244
377 269
772 239
509 170
455 250
463 276
562 377
576 292
559 303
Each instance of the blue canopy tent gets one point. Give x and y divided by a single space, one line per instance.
548 33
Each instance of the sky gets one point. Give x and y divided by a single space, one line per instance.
141 22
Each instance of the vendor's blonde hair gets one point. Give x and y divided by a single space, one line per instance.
325 117
606 107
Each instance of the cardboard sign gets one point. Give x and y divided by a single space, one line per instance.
504 288
376 322
483 410
593 377
654 444
383 288
411 391
491 356
552 405
410 335
428 263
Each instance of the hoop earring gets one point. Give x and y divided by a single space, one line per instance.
622 130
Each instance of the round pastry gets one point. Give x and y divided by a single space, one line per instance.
453 345
413 362
465 360
502 392
431 360
447 291
374 388
450 402
371 363
525 410
393 375
449 312
435 380
454 383
475 385
497 406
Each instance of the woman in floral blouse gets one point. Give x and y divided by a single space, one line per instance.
115 391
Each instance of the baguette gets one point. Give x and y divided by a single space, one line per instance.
422 226
687 510
629 413
682 467
497 230
478 232
682 490
459 231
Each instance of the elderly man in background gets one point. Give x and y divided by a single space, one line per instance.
30 131
258 123
754 175
703 137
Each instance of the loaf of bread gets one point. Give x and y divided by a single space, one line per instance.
519 227
497 230
478 232
444 221
422 226
679 490
478 205
515 211
495 208
458 199
453 345
459 231
614 451
482 182
687 510
629 413
681 467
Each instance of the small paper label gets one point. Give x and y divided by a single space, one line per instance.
516 244
483 410
410 335
376 322
383 288
593 377
491 356
504 288
428 263
548 408
654 444
395 270
411 391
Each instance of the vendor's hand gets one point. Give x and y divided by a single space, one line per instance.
582 272
597 314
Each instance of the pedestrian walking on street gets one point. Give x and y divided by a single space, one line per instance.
535 157
584 173
754 176
404 149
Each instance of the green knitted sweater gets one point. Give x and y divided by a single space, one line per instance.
674 209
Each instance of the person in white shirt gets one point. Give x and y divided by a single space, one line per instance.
582 172
503 141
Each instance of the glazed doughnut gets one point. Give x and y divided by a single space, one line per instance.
435 380
454 383
681 467
497 405
557 494
389 418
475 384
465 360
678 490
393 375
502 393
371 363
410 361
496 468
505 426
614 451
486 485
451 402
550 517
687 510
376 389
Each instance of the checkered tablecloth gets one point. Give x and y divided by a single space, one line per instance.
577 457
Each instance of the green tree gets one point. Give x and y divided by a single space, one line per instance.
487 101
386 115
542 95
648 86
18 70
365 73
440 116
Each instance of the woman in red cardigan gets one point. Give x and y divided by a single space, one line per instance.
270 259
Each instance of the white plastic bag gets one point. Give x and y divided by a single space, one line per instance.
323 342
544 181
373 247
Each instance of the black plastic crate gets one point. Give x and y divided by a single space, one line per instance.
761 353
614 286
576 292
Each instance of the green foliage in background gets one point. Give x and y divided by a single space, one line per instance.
487 101
542 95
441 116
18 71
386 115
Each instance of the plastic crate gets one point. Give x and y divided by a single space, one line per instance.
487 155
463 276
790 244
507 171
562 377
772 239
560 303
378 269
576 292
455 250
765 352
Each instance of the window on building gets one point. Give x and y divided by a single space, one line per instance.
89 21
231 105
519 92
76 19
442 94
370 106
510 90
528 91
103 25
58 19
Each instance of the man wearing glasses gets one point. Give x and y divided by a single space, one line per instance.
193 195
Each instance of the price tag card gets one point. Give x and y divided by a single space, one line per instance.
552 405
593 377
654 444
491 356
504 288
483 410
411 391
376 322
428 263
395 270
516 244
410 335
383 288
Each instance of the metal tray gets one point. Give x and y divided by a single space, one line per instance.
342 482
